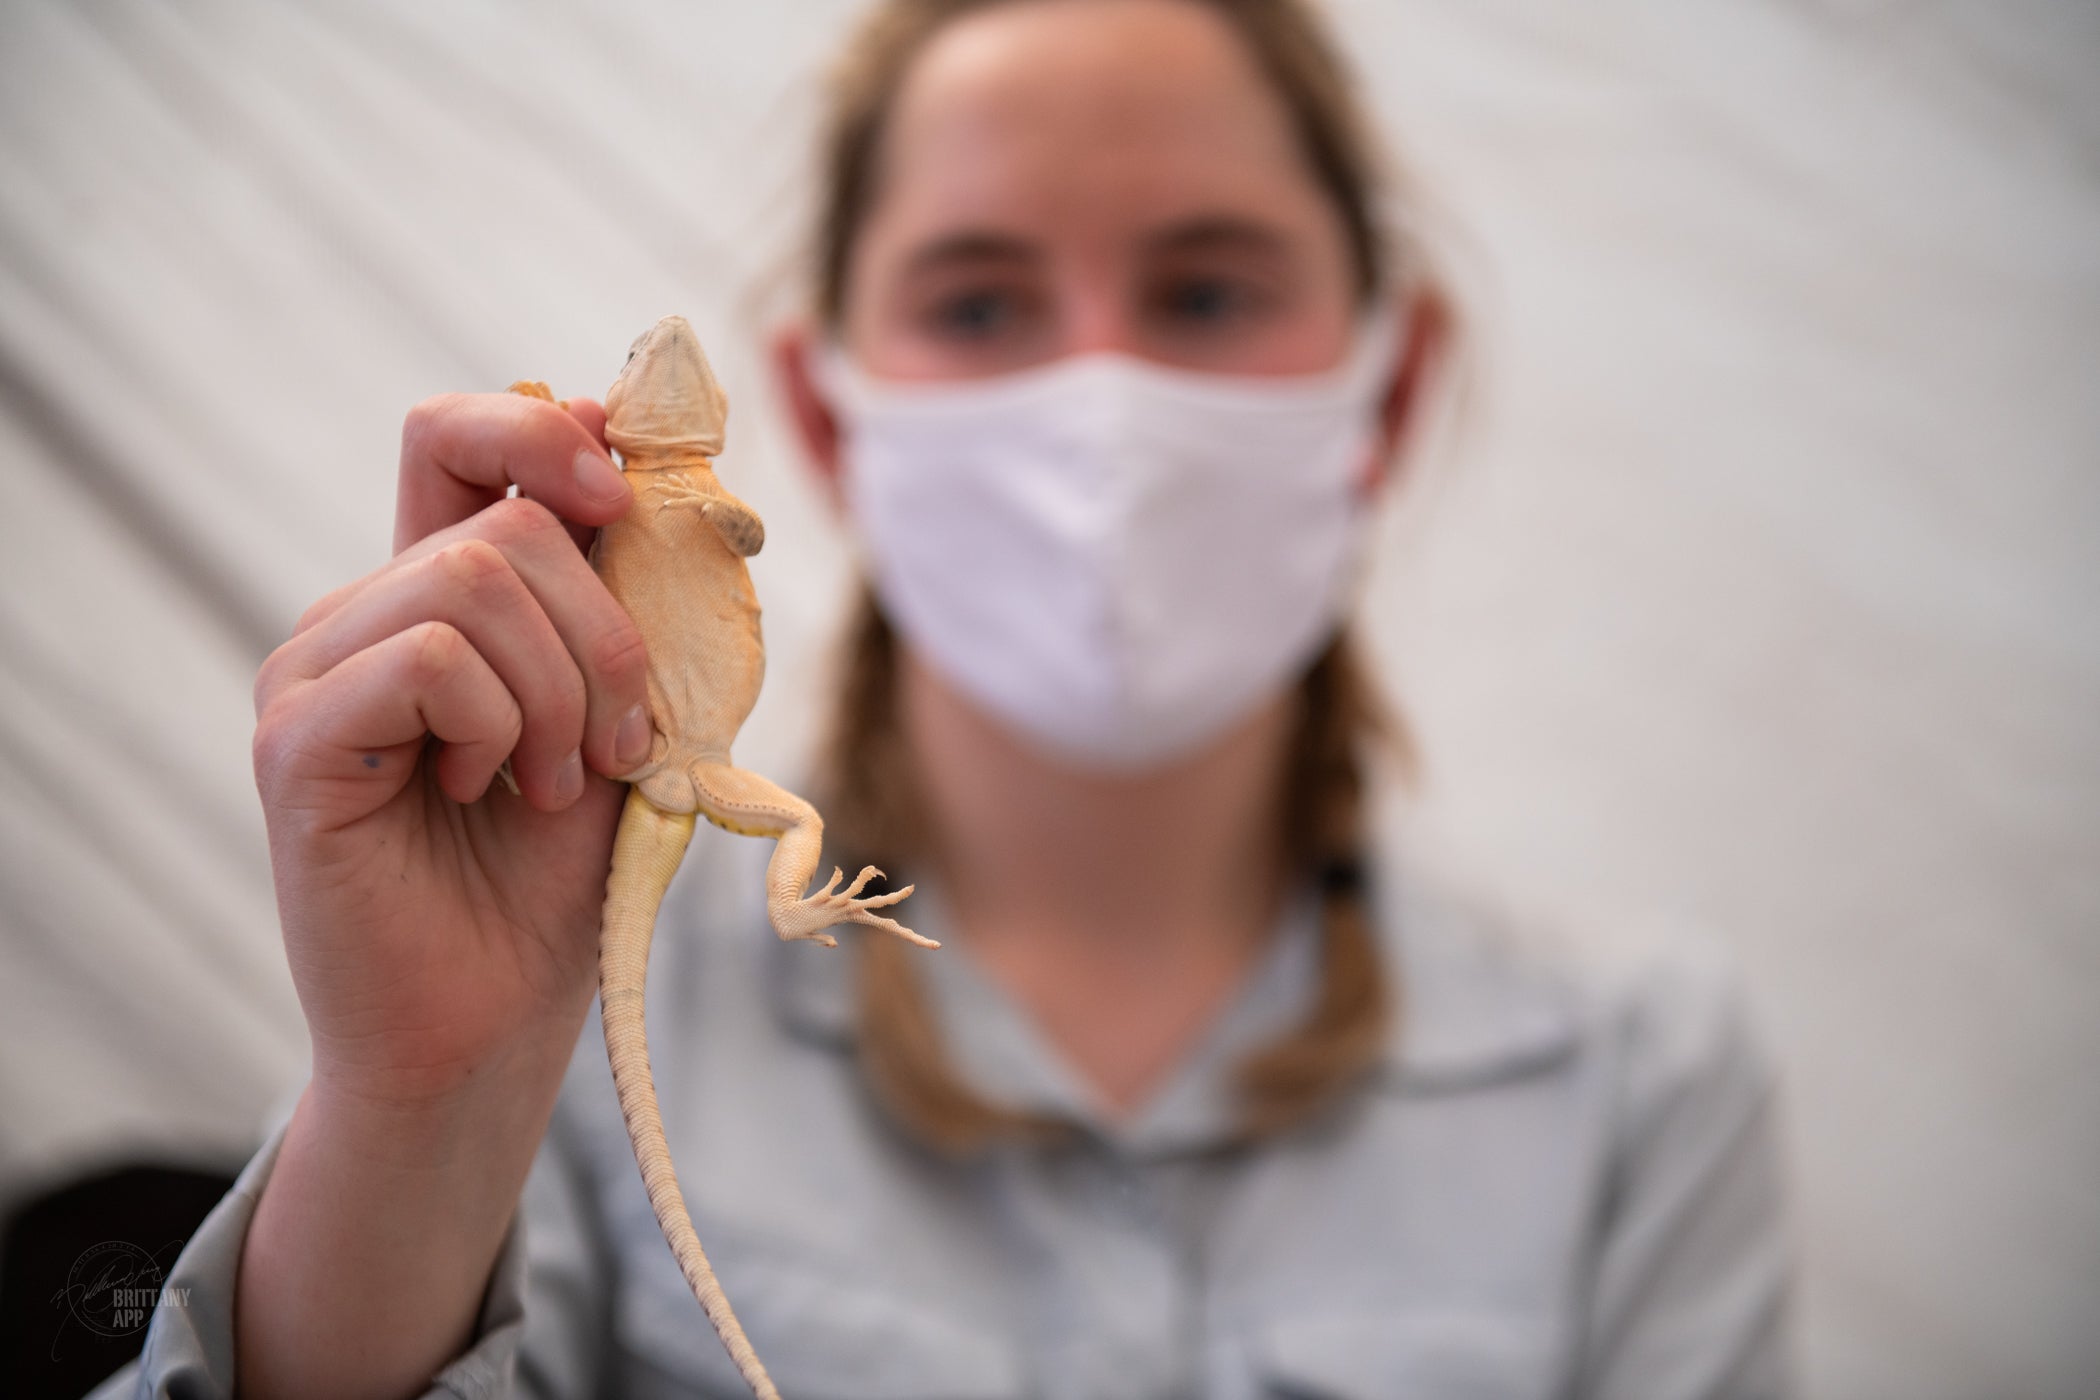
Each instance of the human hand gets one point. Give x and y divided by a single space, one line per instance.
439 929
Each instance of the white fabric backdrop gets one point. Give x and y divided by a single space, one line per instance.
1753 590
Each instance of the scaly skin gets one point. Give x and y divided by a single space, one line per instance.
675 561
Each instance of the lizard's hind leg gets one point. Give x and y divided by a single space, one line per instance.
738 800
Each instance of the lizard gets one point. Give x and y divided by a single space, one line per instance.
675 562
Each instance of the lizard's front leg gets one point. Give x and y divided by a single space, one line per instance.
737 524
741 801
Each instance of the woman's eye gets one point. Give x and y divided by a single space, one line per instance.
973 315
1203 301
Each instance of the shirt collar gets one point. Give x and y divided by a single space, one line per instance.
1477 1005
1482 996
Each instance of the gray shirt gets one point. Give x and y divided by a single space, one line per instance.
1563 1181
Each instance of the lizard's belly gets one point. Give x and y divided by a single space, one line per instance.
692 599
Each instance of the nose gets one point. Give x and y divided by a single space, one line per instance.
1096 315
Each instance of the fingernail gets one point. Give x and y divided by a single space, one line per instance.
568 779
631 744
598 478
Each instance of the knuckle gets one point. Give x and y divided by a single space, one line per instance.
264 748
566 703
519 518
554 699
617 657
275 744
540 413
321 607
473 567
423 423
435 650
268 681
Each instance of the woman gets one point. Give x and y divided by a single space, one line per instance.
1108 363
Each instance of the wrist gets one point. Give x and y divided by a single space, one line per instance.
429 1117
422 1079
371 1246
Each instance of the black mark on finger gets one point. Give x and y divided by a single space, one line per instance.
371 760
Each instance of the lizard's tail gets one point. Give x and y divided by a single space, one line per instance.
646 853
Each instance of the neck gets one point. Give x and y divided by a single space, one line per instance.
1121 909
698 468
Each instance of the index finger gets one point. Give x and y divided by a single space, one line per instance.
461 453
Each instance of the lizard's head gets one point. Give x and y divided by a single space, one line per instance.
667 398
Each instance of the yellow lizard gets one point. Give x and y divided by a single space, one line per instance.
675 561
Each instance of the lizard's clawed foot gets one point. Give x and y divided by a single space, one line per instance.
737 524
667 494
808 917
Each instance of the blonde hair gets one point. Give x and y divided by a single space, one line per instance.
870 798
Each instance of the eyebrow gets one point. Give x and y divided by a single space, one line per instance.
1218 232
1204 233
970 246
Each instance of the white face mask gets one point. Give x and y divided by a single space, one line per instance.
1116 558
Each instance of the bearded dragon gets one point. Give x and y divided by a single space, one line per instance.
675 562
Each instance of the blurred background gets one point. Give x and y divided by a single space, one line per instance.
1756 588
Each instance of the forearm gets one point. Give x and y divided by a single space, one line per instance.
371 1247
